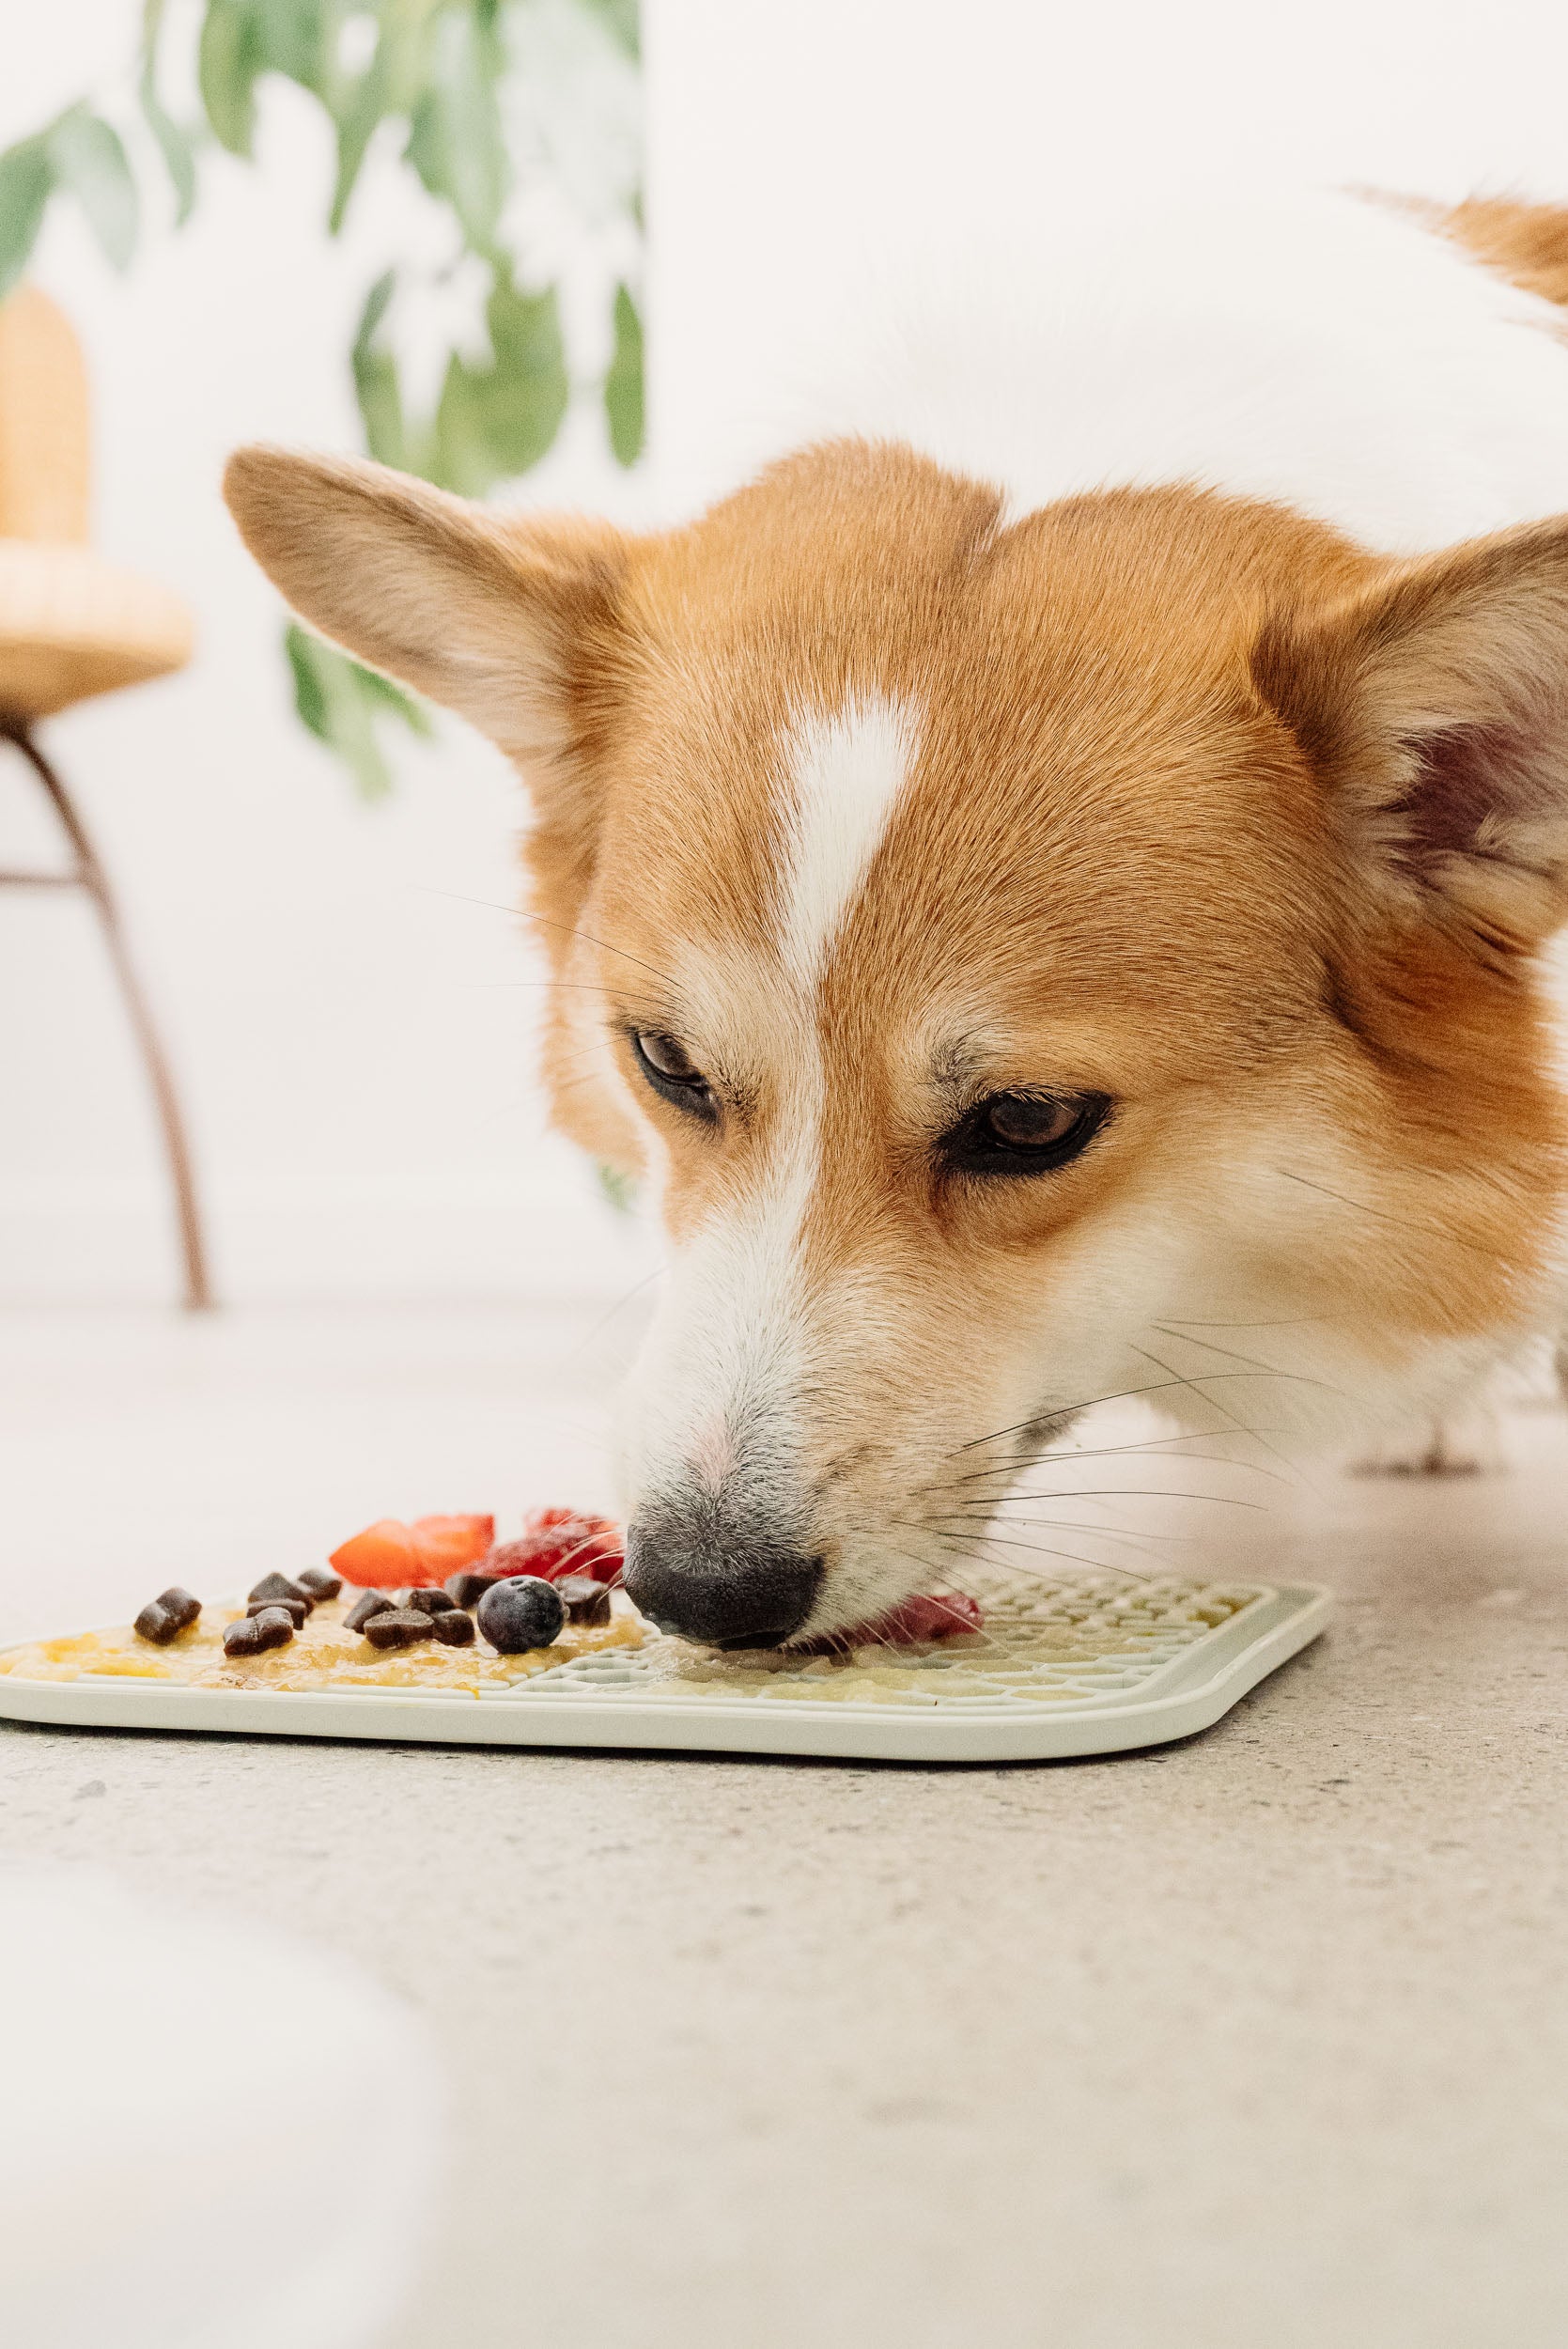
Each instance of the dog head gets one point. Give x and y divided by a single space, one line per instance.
1008 948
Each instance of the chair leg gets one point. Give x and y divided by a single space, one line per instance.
90 873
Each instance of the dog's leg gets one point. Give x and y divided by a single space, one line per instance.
1465 1442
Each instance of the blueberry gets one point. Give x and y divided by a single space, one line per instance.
521 1613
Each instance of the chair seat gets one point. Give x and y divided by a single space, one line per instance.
72 625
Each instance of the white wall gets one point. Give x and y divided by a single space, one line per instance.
355 1043
790 143
354 1036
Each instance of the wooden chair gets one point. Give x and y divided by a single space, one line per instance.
71 626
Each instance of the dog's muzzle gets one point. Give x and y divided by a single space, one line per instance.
691 1574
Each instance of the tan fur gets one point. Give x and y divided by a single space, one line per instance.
1527 243
1213 813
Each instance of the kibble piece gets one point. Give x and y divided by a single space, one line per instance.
400 1627
467 1590
251 1633
367 1604
295 1609
452 1628
585 1600
319 1583
279 1586
430 1599
166 1616
524 1612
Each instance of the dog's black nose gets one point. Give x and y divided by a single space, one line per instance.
733 1593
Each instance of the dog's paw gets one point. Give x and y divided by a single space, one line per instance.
1470 1443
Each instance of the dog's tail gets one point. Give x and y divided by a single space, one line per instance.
1527 243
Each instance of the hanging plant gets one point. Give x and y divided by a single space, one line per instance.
448 91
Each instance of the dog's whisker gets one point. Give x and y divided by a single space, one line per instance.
1154 1386
1035 1574
1125 1492
1012 1468
1208 1378
1228 1353
1399 1223
1083 1525
522 913
605 1319
1042 1549
1298 1321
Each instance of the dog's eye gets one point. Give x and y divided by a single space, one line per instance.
671 1070
1026 1133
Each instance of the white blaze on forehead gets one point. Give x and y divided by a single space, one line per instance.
719 1389
844 770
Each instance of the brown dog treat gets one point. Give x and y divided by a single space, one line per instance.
319 1583
467 1589
585 1600
166 1616
295 1609
367 1604
274 1625
279 1586
430 1599
452 1628
244 1638
400 1627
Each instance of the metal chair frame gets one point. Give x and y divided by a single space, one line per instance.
87 873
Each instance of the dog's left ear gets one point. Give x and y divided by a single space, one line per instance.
1433 706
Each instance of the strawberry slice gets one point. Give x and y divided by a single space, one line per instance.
446 1544
558 1542
389 1554
937 1615
382 1558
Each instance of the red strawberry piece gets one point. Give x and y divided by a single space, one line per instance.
381 1558
558 1542
447 1545
939 1615
591 1544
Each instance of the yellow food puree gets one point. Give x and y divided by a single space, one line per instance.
322 1655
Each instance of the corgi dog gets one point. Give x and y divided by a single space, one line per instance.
1049 876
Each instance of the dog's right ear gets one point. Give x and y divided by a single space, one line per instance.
509 620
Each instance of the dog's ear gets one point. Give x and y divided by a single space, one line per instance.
507 619
1433 706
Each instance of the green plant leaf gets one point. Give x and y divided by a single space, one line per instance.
621 17
229 60
87 157
176 144
296 38
494 422
26 183
339 701
623 385
375 385
360 115
383 694
454 138
619 1189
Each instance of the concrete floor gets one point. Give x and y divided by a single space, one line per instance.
1261 2038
